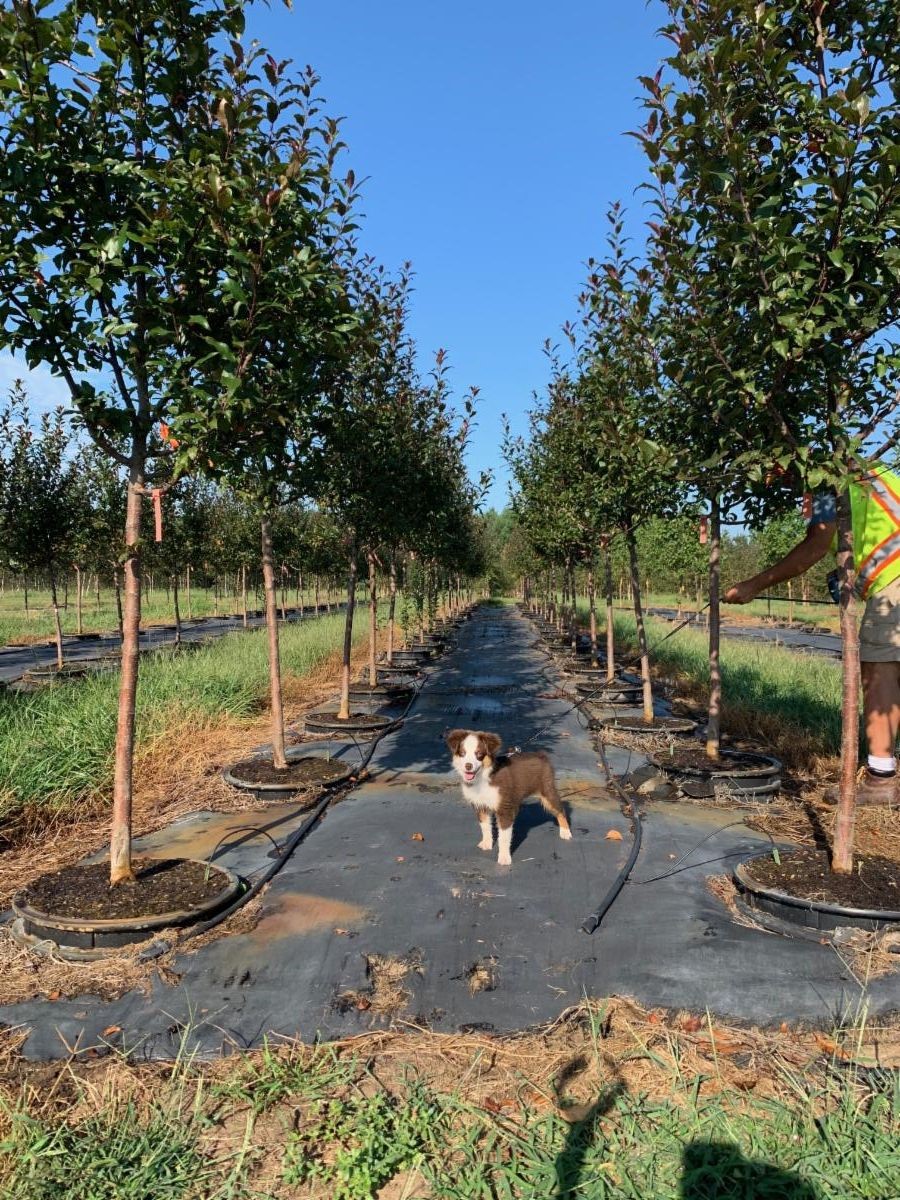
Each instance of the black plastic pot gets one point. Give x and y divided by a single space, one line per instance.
383 692
758 783
409 658
635 724
425 650
333 772
360 725
397 673
90 939
796 917
620 691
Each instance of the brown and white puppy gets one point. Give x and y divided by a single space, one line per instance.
498 785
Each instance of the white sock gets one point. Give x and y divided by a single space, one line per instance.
887 766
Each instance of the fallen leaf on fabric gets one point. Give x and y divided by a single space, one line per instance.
400 858
110 1030
614 836
54 995
691 1024
418 837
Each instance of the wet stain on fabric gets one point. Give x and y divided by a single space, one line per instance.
299 913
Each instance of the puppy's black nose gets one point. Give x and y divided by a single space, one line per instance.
468 766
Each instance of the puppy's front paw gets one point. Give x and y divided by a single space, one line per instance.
485 844
504 860
566 835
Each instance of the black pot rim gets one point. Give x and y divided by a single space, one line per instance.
332 725
684 725
123 924
245 785
769 766
743 876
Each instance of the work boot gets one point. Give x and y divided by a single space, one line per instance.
871 791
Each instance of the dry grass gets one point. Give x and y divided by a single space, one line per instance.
176 775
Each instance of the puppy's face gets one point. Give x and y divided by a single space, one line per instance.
472 751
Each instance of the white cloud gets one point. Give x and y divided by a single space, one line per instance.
45 390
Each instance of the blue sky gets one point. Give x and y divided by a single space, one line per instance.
492 137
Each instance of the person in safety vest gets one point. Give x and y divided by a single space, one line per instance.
875 503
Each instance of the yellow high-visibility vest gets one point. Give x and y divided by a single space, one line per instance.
875 503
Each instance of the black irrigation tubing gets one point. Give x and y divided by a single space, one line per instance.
293 841
592 922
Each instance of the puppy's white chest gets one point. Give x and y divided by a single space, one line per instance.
481 793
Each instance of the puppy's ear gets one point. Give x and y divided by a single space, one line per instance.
455 739
491 743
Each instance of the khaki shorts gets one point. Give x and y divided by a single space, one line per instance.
879 632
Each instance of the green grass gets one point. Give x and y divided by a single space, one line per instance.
313 1124
56 745
18 626
800 691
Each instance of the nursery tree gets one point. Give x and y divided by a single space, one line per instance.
135 142
775 153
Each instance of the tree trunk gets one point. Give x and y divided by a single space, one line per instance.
283 595
344 709
641 630
392 612
97 585
79 596
373 621
117 588
790 592
176 608
25 588
592 609
316 586
714 726
244 615
120 840
268 566
610 626
57 625
845 818
188 588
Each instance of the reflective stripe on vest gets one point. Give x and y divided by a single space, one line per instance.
887 551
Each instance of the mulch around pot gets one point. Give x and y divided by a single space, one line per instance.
806 874
162 886
299 773
694 758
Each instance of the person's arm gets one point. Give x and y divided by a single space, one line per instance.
811 550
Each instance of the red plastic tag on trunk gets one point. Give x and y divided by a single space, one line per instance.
157 512
704 530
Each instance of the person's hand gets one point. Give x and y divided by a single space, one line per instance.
740 593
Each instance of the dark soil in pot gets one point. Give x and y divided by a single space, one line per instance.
692 759
300 773
806 874
82 892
